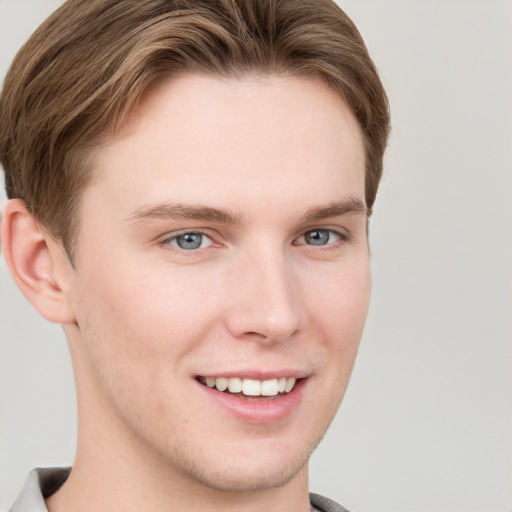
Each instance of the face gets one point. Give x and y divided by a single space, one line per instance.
222 243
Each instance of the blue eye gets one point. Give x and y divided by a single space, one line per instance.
320 237
190 241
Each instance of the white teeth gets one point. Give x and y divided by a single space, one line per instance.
269 387
221 383
251 387
289 385
235 385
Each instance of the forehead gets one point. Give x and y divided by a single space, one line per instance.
213 137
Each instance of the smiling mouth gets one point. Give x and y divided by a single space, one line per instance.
250 388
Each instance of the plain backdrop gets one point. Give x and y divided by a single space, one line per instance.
427 422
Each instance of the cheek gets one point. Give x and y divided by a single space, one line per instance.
338 312
342 300
147 316
136 332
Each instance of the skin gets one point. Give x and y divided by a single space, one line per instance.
144 317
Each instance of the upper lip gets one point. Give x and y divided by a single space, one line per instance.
258 374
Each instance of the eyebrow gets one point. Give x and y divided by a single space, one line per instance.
350 205
185 212
207 213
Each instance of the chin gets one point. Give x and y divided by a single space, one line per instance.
253 470
248 478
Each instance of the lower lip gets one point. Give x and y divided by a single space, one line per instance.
261 410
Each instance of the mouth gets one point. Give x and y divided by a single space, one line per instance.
250 388
253 401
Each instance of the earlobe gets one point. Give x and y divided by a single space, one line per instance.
37 264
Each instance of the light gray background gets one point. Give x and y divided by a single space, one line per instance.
427 422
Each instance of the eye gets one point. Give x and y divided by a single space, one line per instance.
189 241
320 237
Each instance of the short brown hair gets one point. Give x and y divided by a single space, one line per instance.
85 68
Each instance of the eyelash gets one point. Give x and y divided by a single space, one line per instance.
341 236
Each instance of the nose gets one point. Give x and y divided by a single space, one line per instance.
264 303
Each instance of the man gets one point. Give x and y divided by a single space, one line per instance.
190 184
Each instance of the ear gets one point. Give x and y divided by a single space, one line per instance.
38 264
